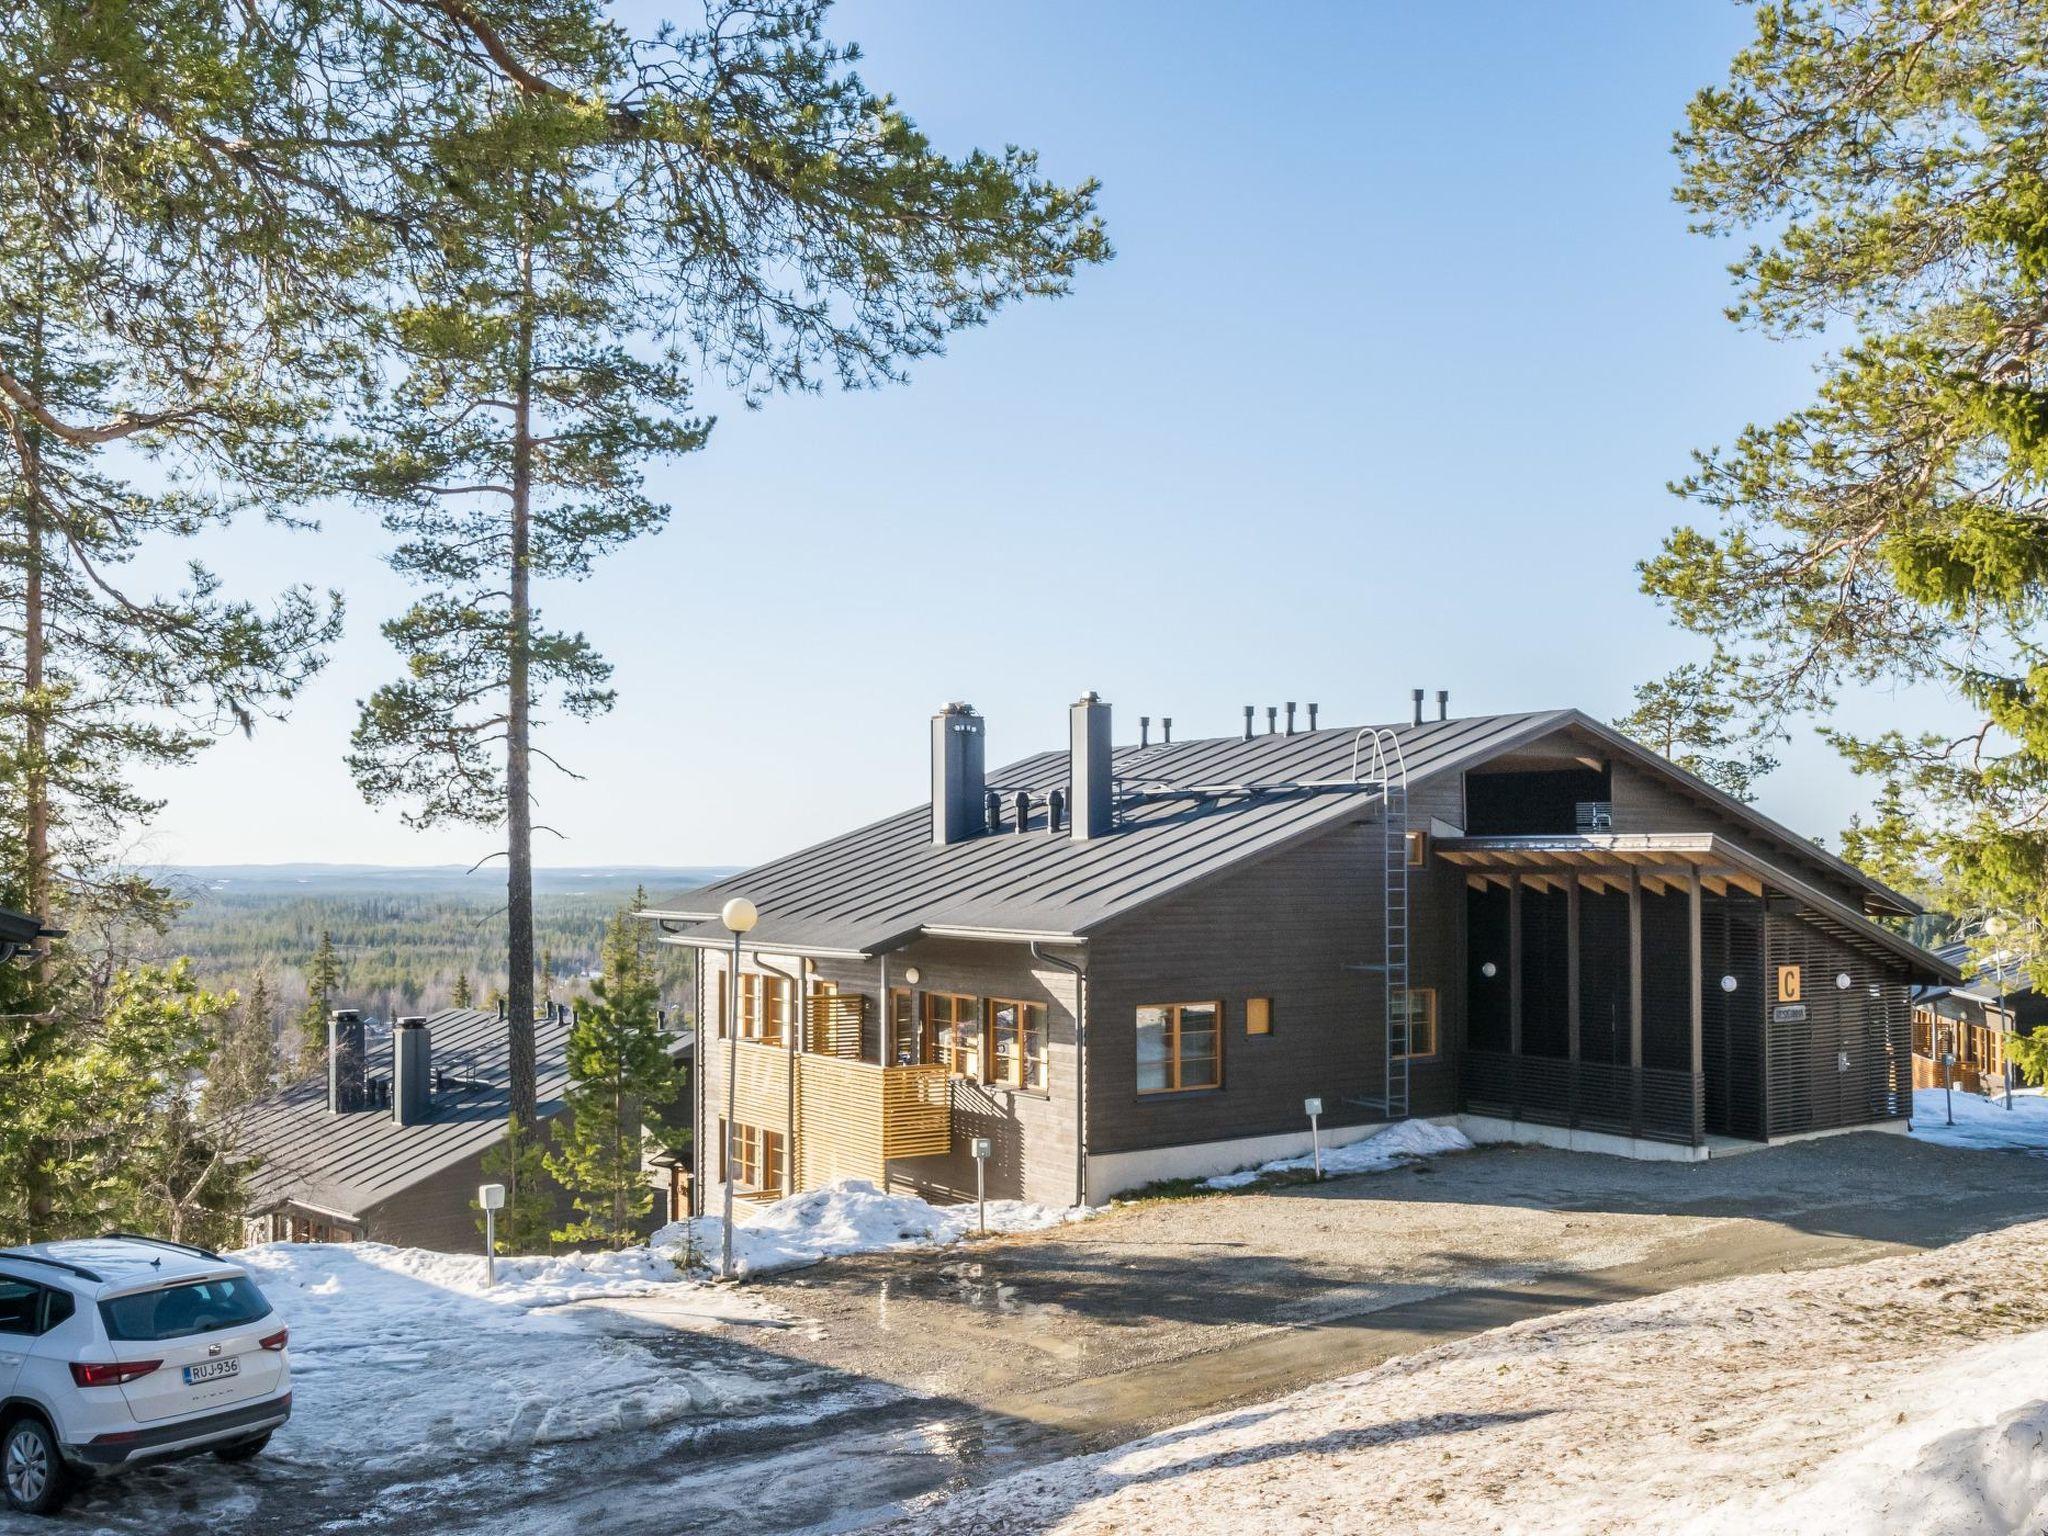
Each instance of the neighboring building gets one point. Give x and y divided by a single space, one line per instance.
1120 965
390 1147
1971 1021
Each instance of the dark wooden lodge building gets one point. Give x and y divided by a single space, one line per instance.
1123 964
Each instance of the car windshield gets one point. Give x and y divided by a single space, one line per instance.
179 1311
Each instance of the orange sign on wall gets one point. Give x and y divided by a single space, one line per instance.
1788 983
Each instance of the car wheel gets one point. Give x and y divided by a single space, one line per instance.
32 1470
243 1450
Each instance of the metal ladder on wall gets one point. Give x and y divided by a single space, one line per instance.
1376 758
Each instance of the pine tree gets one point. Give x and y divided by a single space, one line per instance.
605 210
462 997
1690 717
621 1077
1886 160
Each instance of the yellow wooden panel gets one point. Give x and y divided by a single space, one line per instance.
832 1026
761 1086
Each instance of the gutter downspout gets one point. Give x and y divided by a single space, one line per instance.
1080 975
699 1049
797 1005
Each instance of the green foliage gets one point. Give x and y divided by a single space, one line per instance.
519 1162
2029 1053
101 1128
621 1079
1886 159
1690 717
462 995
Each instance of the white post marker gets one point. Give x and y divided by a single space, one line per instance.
1314 1107
1948 1084
983 1149
492 1198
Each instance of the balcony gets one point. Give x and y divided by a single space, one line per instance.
851 1117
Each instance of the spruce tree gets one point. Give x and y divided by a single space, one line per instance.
462 996
323 979
621 1078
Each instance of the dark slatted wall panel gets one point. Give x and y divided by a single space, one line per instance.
1842 1064
1667 983
1603 977
1486 918
1732 1034
1546 970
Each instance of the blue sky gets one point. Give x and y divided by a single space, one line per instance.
1402 343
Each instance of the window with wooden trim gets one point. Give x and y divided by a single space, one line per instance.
1258 1015
764 1007
1180 1047
1418 849
952 1033
1016 1034
756 1157
1421 1022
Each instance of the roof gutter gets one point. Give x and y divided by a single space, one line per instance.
1080 975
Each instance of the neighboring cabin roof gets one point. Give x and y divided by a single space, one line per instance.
873 889
348 1163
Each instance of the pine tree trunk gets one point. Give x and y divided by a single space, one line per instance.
35 663
518 727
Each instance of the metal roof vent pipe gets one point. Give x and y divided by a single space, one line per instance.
412 1080
1023 810
1443 703
1272 720
1290 717
1144 730
1418 706
992 811
1166 730
959 776
1312 715
1055 810
1247 722
501 1010
346 1092
1089 786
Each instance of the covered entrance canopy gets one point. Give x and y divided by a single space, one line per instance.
1635 985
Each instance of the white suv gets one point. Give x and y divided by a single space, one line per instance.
123 1348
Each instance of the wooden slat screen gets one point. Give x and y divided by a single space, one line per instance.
761 1086
833 1021
853 1116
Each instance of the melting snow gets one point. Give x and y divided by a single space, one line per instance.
1398 1143
1982 1123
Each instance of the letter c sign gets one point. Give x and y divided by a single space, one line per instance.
1788 983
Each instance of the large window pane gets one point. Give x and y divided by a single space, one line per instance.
1155 1064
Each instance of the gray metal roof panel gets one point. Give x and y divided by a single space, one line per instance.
350 1163
868 888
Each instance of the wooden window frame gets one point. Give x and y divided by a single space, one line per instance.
1417 842
1435 1024
1173 1013
905 1029
1258 1016
1021 1059
949 1055
756 990
756 1153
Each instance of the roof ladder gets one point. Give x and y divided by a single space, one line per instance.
1376 758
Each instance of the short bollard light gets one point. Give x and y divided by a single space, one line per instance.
1314 1109
492 1198
983 1149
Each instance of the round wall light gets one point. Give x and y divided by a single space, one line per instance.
1844 980
911 975
1489 970
1728 983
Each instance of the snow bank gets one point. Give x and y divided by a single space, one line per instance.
1984 1124
852 1216
401 1358
1399 1143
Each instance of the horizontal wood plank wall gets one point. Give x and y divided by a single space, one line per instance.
763 1092
1033 1135
1848 1061
1285 928
1643 803
839 1121
833 1023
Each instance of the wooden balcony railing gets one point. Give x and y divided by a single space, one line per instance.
853 1117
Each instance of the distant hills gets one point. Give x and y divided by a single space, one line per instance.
427 879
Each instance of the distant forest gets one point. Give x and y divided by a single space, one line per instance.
403 937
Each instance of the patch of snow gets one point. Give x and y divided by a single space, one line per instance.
1402 1142
1901 1397
851 1216
1982 1123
